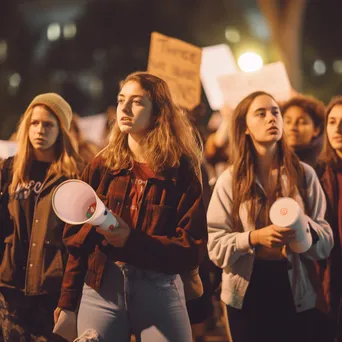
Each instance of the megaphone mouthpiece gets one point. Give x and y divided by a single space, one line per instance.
75 202
286 212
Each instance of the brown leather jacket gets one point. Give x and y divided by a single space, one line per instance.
170 236
47 255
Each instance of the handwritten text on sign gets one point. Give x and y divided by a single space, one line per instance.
178 63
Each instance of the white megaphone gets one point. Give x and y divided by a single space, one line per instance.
75 202
286 212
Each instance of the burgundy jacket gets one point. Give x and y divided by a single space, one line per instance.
170 236
330 268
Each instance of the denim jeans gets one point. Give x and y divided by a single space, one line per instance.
131 300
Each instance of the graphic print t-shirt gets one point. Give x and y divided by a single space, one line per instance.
27 194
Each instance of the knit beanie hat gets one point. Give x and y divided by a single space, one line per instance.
57 105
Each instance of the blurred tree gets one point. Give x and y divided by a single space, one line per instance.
285 19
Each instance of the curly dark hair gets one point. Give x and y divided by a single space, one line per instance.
310 105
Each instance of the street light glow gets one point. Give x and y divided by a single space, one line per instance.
14 80
69 30
319 67
250 61
337 66
232 35
53 31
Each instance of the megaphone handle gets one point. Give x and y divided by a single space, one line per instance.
110 222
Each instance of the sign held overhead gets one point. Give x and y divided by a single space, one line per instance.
217 60
272 78
178 64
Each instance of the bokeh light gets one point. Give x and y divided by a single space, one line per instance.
250 61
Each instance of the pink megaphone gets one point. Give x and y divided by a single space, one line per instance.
75 202
286 212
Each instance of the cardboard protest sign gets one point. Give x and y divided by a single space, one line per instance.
272 78
7 148
217 60
177 63
93 127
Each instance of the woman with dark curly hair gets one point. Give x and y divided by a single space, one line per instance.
303 127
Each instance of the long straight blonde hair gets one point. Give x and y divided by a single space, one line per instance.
170 135
67 160
243 158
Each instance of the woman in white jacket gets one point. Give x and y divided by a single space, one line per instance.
272 293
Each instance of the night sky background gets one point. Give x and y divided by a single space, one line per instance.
112 39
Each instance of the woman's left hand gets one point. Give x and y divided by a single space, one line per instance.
118 236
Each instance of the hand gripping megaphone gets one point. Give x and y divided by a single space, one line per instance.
286 212
75 202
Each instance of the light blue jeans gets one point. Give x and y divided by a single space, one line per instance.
148 304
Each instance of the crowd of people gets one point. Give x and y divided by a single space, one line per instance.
192 206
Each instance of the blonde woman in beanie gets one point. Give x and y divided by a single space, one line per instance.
32 254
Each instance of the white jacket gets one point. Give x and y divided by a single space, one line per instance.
231 250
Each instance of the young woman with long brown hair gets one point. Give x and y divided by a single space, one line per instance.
32 253
330 173
269 290
127 281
